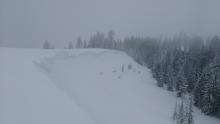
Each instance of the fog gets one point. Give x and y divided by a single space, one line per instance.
28 23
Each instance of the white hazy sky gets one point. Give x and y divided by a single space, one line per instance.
28 23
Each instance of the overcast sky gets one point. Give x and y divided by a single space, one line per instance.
28 23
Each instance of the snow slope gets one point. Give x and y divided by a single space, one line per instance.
91 86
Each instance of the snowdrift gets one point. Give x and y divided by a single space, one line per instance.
91 86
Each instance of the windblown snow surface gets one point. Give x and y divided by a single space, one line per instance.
91 86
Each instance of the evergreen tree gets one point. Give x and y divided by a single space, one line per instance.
46 45
211 90
110 40
183 111
175 113
181 84
190 119
70 45
168 71
79 43
158 74
181 116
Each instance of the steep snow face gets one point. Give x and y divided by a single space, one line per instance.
110 87
92 86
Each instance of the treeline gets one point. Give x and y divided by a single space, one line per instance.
71 45
182 64
98 40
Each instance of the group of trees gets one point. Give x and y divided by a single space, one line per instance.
79 44
182 64
183 111
47 45
98 40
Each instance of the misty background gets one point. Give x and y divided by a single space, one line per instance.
28 23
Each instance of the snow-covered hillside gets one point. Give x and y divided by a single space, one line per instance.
91 86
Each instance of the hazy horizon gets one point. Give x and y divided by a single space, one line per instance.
28 23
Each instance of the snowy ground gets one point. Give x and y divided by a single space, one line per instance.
92 86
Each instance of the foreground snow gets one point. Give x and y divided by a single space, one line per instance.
92 86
